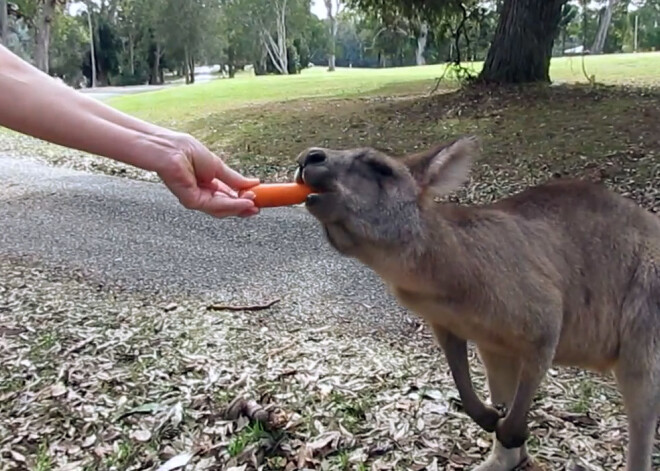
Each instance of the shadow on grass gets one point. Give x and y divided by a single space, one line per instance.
529 134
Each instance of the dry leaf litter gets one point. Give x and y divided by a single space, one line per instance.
93 380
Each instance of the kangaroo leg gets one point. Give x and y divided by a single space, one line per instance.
637 374
512 431
641 402
502 373
455 350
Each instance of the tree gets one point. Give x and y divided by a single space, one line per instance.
92 52
648 19
422 39
4 22
522 44
272 23
241 46
183 25
69 46
39 15
603 27
333 8
568 14
522 47
276 46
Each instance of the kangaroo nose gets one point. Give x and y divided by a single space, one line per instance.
314 157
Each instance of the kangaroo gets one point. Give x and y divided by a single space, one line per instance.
565 273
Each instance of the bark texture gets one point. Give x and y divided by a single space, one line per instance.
92 49
522 46
603 27
43 27
276 47
4 22
422 40
332 18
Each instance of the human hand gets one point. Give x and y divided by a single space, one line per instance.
202 181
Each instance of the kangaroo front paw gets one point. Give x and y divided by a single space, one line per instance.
488 419
511 435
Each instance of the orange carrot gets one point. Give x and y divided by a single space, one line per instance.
268 195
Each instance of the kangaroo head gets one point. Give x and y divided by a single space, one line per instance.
367 198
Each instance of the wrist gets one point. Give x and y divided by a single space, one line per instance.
152 152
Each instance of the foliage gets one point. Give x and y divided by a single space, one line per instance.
147 41
69 49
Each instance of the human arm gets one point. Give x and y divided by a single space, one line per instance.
35 104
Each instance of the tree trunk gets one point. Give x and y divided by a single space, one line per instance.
43 28
231 60
522 45
276 55
186 64
281 36
131 54
191 66
4 23
42 40
91 43
332 17
156 72
603 27
422 39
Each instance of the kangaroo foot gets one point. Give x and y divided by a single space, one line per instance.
504 459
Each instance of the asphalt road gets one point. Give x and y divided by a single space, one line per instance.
135 236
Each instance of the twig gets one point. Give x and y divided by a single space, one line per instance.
80 345
281 349
254 307
438 80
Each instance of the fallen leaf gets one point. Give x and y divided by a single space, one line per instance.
16 456
58 390
142 436
176 462
89 441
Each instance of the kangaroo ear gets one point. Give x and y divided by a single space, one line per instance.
445 168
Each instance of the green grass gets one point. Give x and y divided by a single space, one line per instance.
43 461
583 400
250 434
605 131
179 105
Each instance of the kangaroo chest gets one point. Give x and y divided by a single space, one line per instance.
442 313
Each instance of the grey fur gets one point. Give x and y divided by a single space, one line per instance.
564 273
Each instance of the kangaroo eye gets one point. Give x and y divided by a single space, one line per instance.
381 168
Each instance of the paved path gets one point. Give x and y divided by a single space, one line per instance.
135 235
103 93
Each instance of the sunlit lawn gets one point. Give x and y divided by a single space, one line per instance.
181 104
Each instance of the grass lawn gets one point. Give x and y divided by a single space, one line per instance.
185 103
605 131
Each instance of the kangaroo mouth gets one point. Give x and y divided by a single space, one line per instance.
317 178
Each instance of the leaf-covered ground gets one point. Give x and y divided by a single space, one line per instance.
97 379
93 379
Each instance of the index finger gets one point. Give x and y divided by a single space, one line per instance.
231 177
222 206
